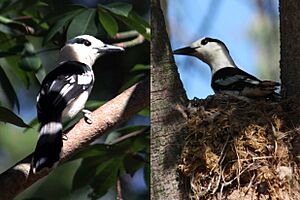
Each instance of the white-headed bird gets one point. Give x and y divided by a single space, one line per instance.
226 76
63 93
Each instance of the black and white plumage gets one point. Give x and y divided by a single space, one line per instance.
226 76
63 93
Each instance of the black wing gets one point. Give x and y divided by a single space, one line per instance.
61 86
230 78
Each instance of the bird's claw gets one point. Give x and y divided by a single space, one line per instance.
87 116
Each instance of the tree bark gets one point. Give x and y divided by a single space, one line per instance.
167 94
290 56
109 116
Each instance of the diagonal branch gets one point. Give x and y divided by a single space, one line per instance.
109 116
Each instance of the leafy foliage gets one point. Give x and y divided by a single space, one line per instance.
102 163
8 116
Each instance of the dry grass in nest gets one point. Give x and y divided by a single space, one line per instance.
233 144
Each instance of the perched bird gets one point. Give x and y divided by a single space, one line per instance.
63 93
226 76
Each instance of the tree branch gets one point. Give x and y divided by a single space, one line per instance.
130 135
109 116
139 39
126 35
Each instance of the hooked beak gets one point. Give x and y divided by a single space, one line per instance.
185 51
109 49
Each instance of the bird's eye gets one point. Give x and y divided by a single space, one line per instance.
87 43
204 41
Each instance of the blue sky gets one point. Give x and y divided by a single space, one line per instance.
229 21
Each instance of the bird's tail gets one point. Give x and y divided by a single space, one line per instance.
49 145
271 86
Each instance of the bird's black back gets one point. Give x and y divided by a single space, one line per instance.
51 101
230 78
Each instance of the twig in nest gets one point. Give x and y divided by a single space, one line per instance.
209 185
239 166
218 182
256 158
182 110
221 159
233 179
250 183
222 156
275 148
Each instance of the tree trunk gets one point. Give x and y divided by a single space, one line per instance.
290 56
167 94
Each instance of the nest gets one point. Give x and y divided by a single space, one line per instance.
239 145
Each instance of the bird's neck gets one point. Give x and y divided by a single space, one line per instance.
220 60
69 54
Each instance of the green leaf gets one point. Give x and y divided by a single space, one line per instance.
140 67
136 22
18 48
132 164
92 105
34 122
131 81
106 177
61 22
95 150
85 173
13 63
95 159
139 144
30 62
10 117
139 19
145 112
84 23
125 13
15 25
4 20
111 137
6 29
9 91
118 8
108 22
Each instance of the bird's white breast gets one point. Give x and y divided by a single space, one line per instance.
76 105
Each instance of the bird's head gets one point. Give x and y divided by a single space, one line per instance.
85 49
211 51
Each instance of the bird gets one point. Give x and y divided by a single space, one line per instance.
227 78
63 93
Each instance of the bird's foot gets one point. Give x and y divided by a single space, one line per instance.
64 137
87 116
